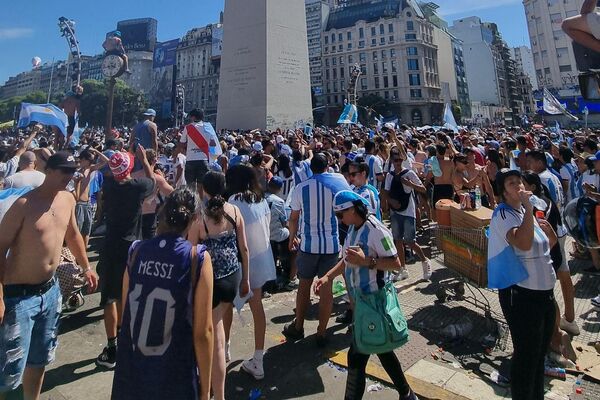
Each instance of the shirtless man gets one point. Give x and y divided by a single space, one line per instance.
476 176
34 230
84 213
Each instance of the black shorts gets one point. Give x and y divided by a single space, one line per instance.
225 289
195 171
111 266
442 191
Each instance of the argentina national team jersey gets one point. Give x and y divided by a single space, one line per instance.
155 356
568 173
375 168
554 186
376 241
319 226
302 171
370 194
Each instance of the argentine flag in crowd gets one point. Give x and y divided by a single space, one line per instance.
9 196
449 121
214 147
77 131
45 114
349 115
552 106
379 122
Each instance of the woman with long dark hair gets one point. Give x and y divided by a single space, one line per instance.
495 162
221 230
520 266
245 193
284 171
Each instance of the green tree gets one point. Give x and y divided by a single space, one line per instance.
370 106
128 103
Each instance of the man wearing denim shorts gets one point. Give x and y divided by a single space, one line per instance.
32 234
319 248
404 221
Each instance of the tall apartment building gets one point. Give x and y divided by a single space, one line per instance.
198 65
393 43
317 12
451 65
49 78
490 70
523 57
552 49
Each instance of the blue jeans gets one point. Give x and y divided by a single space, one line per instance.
403 227
28 334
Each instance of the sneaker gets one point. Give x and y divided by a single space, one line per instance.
570 327
108 358
293 284
426 269
345 318
227 353
254 368
400 275
292 333
596 301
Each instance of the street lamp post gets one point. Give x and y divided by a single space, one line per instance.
113 66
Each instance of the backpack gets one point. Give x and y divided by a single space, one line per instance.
398 193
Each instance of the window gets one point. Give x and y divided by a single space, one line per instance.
335 98
328 99
373 42
391 39
375 69
326 49
334 61
384 69
326 39
361 44
414 79
564 68
326 74
386 95
363 83
382 40
333 38
349 46
349 35
562 52
410 37
361 33
374 56
362 57
340 37
393 53
350 59
376 82
342 72
390 28
373 31
335 73
395 94
386 82
327 62
383 54
412 51
546 71
394 66
335 87
415 93
342 60
413 64
381 29
341 47
410 26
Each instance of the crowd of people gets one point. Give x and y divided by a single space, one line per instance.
194 221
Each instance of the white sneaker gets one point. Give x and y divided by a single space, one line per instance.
400 275
254 368
570 327
227 353
426 269
596 301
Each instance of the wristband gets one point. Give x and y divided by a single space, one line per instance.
372 263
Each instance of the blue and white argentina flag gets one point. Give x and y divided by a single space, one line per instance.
349 115
9 196
449 121
45 114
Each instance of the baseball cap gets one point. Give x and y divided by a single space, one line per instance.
62 160
279 139
121 164
345 200
596 157
276 181
257 146
287 150
150 112
493 144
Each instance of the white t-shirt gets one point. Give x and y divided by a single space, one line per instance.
25 178
179 163
411 176
206 139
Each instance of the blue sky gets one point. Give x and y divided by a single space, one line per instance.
29 28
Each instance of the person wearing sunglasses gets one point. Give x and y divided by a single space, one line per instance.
370 256
359 173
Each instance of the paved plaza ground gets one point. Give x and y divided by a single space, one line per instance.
302 370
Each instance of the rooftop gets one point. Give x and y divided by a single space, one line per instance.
369 11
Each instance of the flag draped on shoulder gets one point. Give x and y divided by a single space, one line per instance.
45 114
554 107
349 115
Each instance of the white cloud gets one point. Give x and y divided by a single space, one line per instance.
15 33
451 7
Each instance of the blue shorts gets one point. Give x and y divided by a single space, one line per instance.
313 265
84 215
404 227
28 334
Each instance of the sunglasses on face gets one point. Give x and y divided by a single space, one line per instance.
339 214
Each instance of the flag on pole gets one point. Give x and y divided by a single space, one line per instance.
559 132
45 114
554 107
449 121
349 115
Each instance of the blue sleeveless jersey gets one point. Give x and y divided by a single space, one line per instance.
155 355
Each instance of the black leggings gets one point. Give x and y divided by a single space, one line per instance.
530 315
357 364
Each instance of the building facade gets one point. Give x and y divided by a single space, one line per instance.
197 69
393 43
317 13
524 62
552 49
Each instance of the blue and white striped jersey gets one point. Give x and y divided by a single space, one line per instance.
376 241
554 186
568 173
301 171
319 227
375 168
370 194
